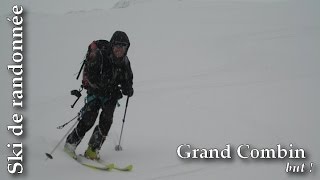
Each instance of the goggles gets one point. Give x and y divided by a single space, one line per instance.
118 44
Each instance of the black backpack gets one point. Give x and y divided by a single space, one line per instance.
96 53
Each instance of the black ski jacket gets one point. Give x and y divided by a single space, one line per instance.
104 75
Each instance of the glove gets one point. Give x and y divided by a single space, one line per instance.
127 92
117 94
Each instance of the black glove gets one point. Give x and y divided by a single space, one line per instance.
117 94
127 92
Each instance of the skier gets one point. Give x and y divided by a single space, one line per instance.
107 76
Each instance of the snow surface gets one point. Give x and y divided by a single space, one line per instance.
206 73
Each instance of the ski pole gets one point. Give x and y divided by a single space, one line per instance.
83 63
49 155
63 125
118 147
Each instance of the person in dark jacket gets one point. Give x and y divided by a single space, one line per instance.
107 77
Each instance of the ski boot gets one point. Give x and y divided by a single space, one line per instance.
73 140
70 149
92 154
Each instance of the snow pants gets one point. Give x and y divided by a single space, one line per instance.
91 111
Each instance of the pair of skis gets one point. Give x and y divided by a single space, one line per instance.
98 164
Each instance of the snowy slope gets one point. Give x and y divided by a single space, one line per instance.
206 73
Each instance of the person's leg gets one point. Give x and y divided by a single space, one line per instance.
102 129
85 124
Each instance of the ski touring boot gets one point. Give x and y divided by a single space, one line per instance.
70 149
92 154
